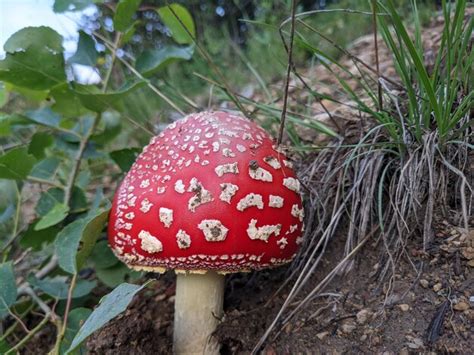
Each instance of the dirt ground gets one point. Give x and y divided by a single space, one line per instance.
425 311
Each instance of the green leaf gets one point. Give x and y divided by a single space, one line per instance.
36 239
174 16
53 217
124 12
58 287
3 95
125 157
86 54
76 318
73 5
115 275
109 307
8 207
128 34
4 346
97 101
85 230
66 102
38 144
16 164
8 290
102 256
46 168
5 123
151 61
91 233
55 195
34 59
30 94
109 128
44 116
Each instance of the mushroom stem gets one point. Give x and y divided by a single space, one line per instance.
198 309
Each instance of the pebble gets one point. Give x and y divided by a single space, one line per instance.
437 287
362 316
322 335
461 306
348 327
414 343
424 283
404 307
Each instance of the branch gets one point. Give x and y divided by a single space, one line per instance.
27 338
45 182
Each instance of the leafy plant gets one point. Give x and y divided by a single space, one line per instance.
61 148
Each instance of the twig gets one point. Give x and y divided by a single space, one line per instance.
12 328
318 287
27 338
44 307
214 67
78 159
114 55
62 327
288 72
45 182
18 319
68 303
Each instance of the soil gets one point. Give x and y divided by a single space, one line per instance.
428 306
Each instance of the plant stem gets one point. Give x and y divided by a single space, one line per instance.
78 159
27 338
62 325
112 61
45 182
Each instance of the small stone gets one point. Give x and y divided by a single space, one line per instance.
376 340
461 306
437 287
414 343
470 263
363 337
348 327
424 283
404 307
362 316
322 335
404 351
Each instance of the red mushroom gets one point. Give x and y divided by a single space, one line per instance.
209 195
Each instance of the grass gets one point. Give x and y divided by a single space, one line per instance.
408 166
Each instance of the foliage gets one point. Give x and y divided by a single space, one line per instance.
60 144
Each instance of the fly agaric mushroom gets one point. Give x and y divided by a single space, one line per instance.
209 195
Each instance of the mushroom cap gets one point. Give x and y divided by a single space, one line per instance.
211 192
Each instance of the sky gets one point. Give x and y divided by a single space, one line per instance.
17 14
